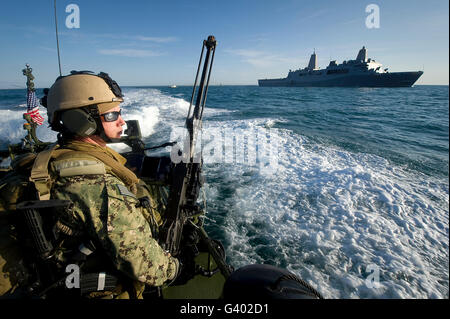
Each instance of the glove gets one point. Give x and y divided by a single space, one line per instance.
178 266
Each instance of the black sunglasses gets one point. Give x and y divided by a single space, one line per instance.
111 116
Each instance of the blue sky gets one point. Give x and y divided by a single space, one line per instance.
159 42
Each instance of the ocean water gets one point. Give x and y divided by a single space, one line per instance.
346 187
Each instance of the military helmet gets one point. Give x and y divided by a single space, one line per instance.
80 89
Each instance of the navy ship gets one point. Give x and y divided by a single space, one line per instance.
362 72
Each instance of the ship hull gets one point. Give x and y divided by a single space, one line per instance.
395 79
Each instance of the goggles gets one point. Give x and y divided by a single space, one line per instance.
111 116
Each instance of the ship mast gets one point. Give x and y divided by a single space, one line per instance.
313 61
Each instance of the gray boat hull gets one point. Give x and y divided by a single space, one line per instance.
395 79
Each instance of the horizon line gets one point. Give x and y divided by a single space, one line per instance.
190 85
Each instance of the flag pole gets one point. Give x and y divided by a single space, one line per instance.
32 117
32 102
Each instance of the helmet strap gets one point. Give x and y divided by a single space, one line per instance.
95 114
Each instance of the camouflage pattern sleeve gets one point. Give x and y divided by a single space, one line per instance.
108 210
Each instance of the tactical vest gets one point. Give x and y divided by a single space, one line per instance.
30 173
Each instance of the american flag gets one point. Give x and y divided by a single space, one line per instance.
33 108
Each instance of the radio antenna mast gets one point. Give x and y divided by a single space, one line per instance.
57 40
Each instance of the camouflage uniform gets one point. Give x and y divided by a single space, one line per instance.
106 210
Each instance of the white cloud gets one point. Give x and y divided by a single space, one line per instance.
47 48
313 15
156 39
118 37
261 58
133 53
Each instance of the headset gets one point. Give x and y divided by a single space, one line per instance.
80 122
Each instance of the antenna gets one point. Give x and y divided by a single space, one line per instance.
57 40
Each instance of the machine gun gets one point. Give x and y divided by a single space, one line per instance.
186 174
186 179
